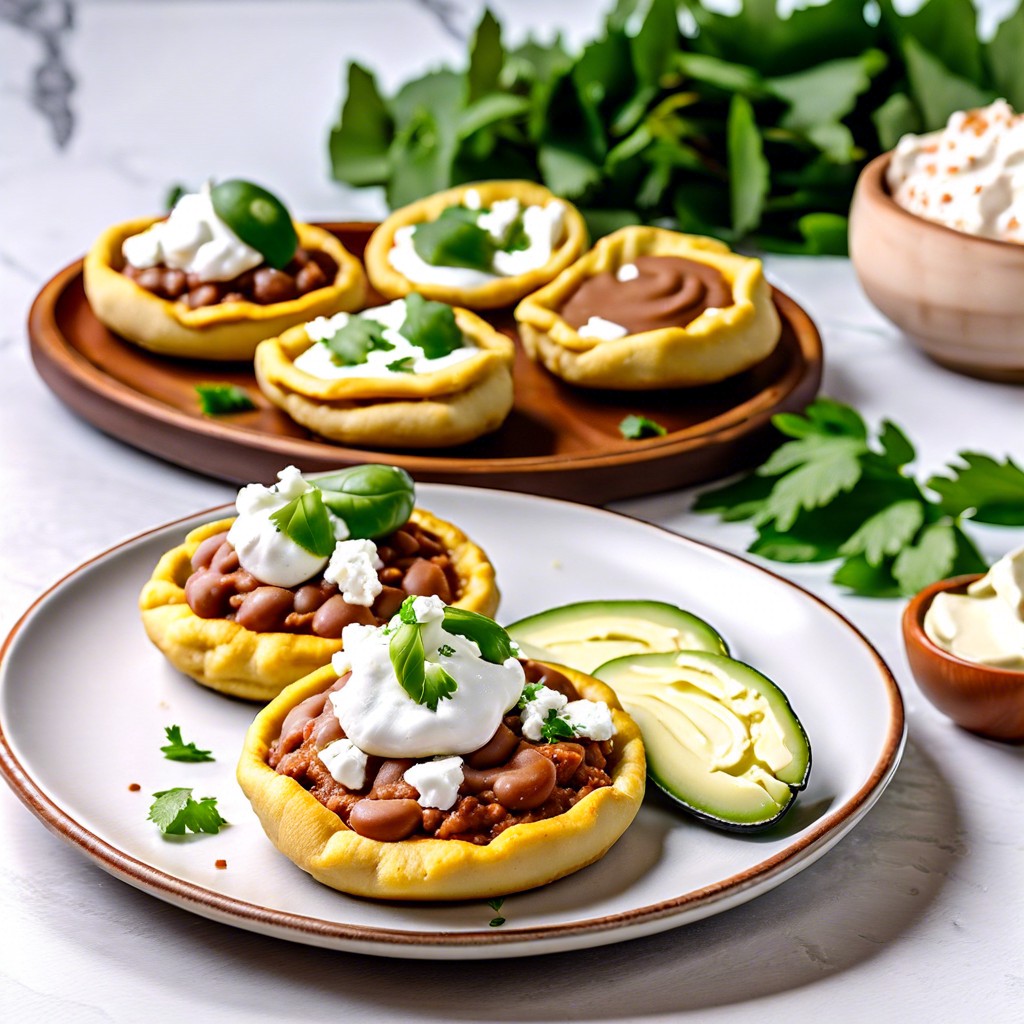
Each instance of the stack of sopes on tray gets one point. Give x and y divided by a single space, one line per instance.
410 358
415 749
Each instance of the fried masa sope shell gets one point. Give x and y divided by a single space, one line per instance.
522 857
502 291
716 345
444 407
224 331
221 654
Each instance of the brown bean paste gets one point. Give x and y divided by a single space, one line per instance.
308 270
507 781
415 562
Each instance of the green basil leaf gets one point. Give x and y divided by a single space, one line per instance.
494 643
359 143
305 521
352 343
430 326
373 500
407 655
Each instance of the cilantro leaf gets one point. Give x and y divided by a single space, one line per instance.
178 750
530 691
866 580
438 685
930 558
553 728
495 644
990 491
353 342
454 241
833 469
175 812
223 399
446 651
406 613
360 141
305 521
430 326
634 427
886 532
405 365
174 193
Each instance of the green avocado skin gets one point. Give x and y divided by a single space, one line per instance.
669 767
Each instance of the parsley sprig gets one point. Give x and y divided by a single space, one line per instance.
175 812
178 750
752 123
835 492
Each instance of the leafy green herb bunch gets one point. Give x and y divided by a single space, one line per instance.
750 126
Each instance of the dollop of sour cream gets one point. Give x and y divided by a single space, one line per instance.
193 239
968 175
317 361
263 550
379 716
544 227
985 625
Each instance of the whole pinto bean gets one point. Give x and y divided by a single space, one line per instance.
497 750
425 579
336 613
208 594
203 555
527 783
387 821
264 609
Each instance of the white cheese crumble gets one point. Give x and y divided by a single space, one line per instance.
535 711
601 329
193 239
381 718
544 227
589 719
627 272
317 360
968 175
263 550
436 781
346 763
353 567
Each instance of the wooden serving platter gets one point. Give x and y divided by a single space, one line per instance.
559 440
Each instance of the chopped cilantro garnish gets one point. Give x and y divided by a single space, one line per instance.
431 326
178 750
405 365
223 399
175 812
454 240
633 428
554 728
446 650
351 344
530 691
305 521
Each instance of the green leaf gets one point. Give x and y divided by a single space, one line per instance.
175 812
931 558
946 29
896 117
223 399
736 501
720 74
866 580
530 691
1003 54
438 685
791 547
831 417
886 532
898 451
968 559
553 728
634 427
655 42
359 143
174 193
993 490
491 110
937 91
604 222
178 750
430 326
571 144
825 234
373 500
453 241
794 454
305 521
748 169
494 643
404 365
355 340
834 469
408 658
486 57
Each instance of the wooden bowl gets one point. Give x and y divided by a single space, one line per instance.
957 297
986 700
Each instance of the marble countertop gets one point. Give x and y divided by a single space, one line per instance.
916 915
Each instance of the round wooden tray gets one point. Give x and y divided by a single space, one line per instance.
559 440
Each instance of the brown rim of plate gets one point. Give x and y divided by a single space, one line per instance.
296 926
876 187
597 468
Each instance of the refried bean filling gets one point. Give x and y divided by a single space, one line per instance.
415 562
507 781
309 269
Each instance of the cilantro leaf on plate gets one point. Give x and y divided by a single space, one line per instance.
634 428
175 812
223 399
178 750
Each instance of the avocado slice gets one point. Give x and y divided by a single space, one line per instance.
589 633
721 738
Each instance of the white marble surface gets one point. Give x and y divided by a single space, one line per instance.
915 916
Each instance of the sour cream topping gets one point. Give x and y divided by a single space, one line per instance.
193 239
379 716
544 227
317 361
968 175
985 625
270 555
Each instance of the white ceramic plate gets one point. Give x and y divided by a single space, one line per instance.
84 699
